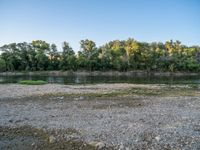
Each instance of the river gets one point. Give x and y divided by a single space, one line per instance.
81 79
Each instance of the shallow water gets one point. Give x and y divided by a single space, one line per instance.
80 79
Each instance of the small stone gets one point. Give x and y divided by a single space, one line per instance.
196 128
62 97
52 139
26 118
93 143
121 147
81 97
71 137
157 138
2 134
98 145
10 120
33 144
17 121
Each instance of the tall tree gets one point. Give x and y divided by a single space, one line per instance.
42 49
88 54
54 58
132 50
68 59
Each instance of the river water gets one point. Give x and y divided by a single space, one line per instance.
80 79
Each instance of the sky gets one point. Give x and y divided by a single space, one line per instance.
56 21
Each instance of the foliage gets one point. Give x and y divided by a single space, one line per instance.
68 59
121 55
54 58
2 65
32 82
88 55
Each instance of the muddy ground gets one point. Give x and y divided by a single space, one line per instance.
127 117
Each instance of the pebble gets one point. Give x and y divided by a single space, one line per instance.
112 126
33 144
81 97
61 98
98 145
157 138
10 120
121 147
52 139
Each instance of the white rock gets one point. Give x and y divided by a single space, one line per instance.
61 97
81 97
76 99
98 145
92 143
157 138
33 144
121 147
52 139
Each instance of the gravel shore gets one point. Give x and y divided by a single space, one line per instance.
123 122
17 90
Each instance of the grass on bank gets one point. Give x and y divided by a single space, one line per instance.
32 82
39 139
162 91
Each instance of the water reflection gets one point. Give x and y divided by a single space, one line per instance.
104 79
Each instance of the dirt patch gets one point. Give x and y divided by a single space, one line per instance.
27 137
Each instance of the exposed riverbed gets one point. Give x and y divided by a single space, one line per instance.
115 116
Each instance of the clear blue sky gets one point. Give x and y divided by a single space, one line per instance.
99 20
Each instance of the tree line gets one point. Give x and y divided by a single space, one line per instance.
120 55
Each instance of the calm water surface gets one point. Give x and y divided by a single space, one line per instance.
75 79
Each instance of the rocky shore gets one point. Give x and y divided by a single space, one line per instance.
102 116
17 90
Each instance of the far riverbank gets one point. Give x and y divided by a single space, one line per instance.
102 73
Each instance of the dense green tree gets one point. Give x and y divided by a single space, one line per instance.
68 59
25 61
88 55
41 48
2 65
12 56
119 59
54 58
115 55
105 57
132 51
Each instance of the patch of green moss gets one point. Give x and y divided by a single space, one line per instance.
32 82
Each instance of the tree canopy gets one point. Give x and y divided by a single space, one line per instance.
120 55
